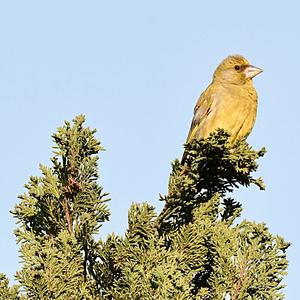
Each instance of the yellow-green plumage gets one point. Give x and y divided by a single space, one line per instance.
229 102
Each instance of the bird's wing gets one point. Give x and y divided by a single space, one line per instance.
203 108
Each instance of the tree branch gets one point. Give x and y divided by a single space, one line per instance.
68 215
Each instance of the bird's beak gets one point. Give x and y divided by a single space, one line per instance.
252 71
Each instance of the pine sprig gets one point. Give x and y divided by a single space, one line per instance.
58 217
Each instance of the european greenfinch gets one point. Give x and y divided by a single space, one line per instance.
229 102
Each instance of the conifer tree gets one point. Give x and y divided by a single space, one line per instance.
58 218
195 248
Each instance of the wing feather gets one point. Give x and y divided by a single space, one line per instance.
203 108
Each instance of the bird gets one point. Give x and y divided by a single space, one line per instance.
229 102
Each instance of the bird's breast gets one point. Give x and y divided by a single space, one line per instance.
234 110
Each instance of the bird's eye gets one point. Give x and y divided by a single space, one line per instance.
237 68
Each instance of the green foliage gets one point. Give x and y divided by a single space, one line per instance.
7 292
194 249
53 268
213 167
58 217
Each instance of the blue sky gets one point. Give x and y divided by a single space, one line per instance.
135 69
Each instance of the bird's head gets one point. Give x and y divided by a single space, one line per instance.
235 69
